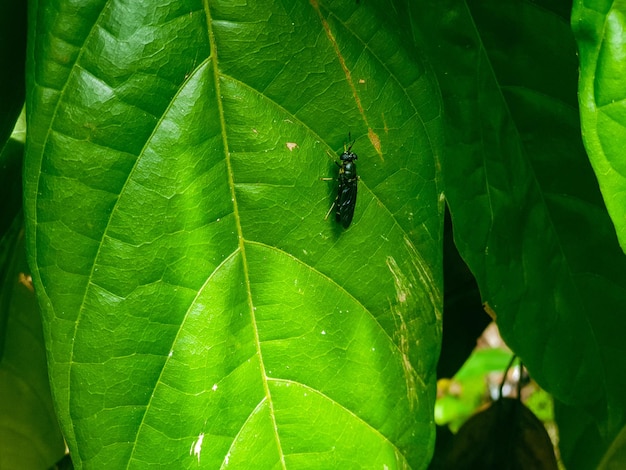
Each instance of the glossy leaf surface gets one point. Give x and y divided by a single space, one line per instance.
200 312
599 29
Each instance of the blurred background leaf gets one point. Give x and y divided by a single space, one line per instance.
30 438
506 435
527 214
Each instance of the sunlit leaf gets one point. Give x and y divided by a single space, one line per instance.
599 29
199 310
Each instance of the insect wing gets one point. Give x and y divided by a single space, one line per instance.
346 200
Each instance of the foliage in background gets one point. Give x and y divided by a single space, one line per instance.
460 396
197 308
29 434
527 214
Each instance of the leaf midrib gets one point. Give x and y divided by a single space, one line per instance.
240 238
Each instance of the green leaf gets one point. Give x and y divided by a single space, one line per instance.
30 437
580 443
616 455
199 310
465 393
528 217
599 29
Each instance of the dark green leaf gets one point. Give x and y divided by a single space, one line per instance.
616 455
29 434
580 443
528 217
507 436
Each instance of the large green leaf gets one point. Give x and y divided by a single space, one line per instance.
599 27
199 310
528 217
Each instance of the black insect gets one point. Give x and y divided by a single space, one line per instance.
346 194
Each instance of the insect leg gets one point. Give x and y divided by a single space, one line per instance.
331 207
329 211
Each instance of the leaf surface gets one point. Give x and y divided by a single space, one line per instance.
528 217
199 309
30 437
599 29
